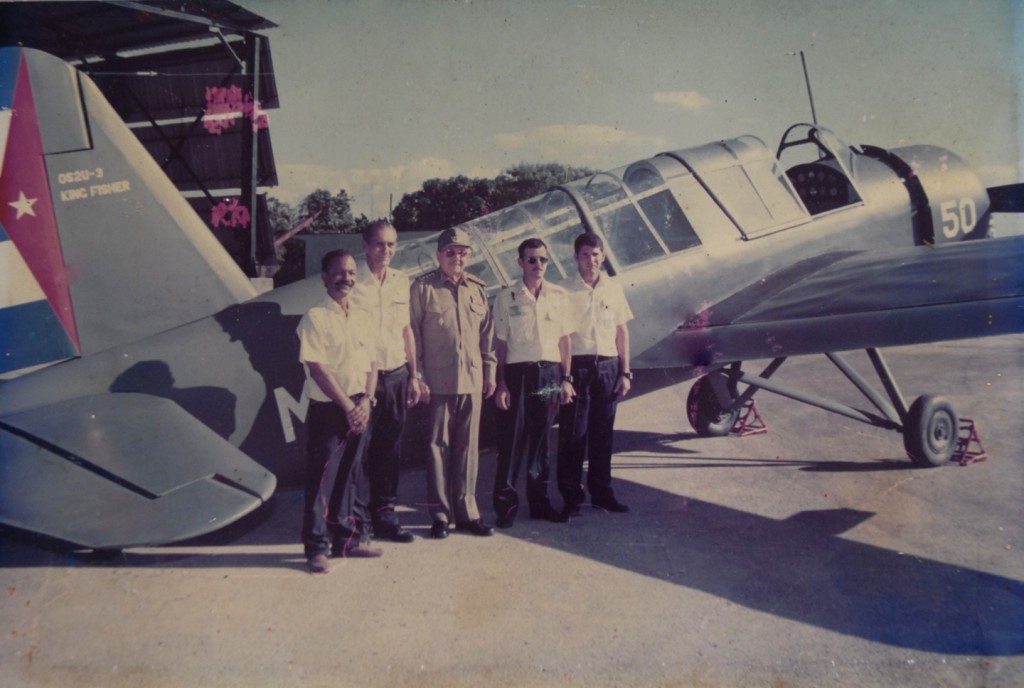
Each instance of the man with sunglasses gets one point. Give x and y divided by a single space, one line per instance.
452 327
532 324
600 370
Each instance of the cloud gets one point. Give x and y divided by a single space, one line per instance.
997 175
687 100
577 144
372 189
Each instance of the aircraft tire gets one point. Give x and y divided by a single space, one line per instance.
930 431
705 414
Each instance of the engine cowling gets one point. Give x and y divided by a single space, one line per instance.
948 201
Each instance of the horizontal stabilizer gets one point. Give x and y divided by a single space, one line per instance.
118 470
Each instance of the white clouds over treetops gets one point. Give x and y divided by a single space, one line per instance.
687 100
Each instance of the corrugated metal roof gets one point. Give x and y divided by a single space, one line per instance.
84 30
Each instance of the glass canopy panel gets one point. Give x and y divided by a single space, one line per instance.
669 221
416 257
502 232
629 238
658 203
560 225
706 217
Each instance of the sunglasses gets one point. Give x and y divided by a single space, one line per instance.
533 260
452 252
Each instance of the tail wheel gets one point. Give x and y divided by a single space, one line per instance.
705 413
930 431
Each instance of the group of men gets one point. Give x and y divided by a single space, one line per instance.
377 345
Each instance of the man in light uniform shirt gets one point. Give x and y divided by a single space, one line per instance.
341 375
383 294
452 326
532 324
601 376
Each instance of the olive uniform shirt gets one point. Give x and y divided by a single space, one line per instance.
451 322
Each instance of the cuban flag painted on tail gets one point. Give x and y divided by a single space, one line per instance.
37 321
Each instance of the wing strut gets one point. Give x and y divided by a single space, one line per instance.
930 426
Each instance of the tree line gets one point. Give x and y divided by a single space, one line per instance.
439 204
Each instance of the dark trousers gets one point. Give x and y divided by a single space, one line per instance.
585 430
383 455
335 507
523 431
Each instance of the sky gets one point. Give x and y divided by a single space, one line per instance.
376 97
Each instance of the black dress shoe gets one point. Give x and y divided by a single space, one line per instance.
571 511
613 505
476 527
439 531
395 533
548 513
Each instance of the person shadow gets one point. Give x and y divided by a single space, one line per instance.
213 406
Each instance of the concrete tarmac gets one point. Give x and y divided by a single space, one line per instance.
811 555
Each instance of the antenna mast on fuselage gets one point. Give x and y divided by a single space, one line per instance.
810 96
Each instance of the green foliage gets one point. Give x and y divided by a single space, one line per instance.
335 212
280 215
443 203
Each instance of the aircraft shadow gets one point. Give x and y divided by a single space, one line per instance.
799 568
661 446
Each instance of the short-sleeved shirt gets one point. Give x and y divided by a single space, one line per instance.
341 343
452 326
531 327
600 311
386 305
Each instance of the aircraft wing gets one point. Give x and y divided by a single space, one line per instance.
117 470
857 300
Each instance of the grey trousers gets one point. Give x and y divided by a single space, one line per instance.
454 457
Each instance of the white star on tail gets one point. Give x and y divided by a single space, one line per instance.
24 205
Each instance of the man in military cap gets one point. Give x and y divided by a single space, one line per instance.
451 324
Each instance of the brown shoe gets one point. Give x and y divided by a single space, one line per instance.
362 551
319 564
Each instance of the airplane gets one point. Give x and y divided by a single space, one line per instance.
150 394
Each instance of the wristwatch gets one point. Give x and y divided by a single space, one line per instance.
628 375
567 378
373 402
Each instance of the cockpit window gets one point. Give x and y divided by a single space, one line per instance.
821 168
629 237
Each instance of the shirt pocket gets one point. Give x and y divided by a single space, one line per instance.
440 328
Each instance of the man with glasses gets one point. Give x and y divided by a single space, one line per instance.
601 375
452 327
532 323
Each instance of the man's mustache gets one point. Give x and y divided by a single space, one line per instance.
345 283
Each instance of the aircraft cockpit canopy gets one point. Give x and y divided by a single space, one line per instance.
703 198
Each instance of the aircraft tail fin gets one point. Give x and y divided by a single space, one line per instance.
98 247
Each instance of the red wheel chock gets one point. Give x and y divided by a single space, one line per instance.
968 445
749 422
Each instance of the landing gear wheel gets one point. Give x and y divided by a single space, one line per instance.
706 415
930 431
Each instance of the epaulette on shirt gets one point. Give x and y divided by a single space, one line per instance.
428 275
473 279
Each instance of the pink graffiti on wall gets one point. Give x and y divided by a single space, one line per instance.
230 213
225 104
